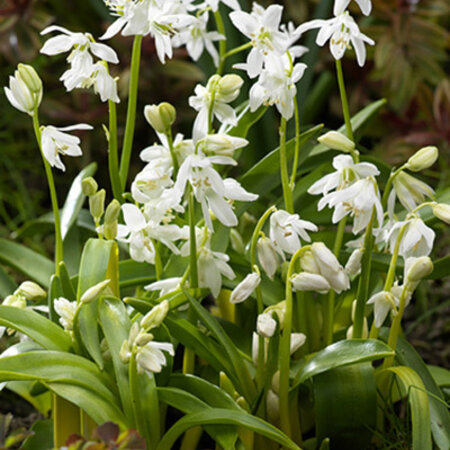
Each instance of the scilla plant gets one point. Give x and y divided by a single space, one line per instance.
263 322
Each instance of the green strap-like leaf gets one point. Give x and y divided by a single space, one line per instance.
217 416
340 354
37 327
7 284
28 262
418 400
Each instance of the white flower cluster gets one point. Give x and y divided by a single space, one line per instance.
170 24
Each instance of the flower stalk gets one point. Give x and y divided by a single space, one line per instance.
287 192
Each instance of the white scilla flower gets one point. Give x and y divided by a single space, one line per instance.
221 144
305 281
442 212
268 256
55 142
94 292
165 286
353 266
417 239
155 316
383 303
214 4
151 359
211 267
287 229
341 5
262 27
30 290
66 311
266 325
418 268
347 172
342 31
410 191
337 141
21 96
245 288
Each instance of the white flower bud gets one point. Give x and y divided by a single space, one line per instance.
245 288
420 268
266 325
442 212
221 144
337 141
125 352
411 191
423 159
272 405
16 301
143 339
134 331
308 263
161 117
228 87
21 96
94 292
267 256
276 382
30 77
155 317
97 204
383 303
297 340
89 186
353 266
365 331
305 281
31 291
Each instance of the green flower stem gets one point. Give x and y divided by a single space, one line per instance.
113 158
189 355
344 101
158 262
302 321
363 285
328 314
131 112
259 298
53 196
285 348
297 145
66 420
222 43
287 193
396 325
390 275
239 49
172 153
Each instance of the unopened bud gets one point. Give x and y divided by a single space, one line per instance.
30 77
89 186
226 384
353 266
305 281
266 325
272 406
297 340
245 288
236 241
161 117
337 141
31 291
125 352
94 292
155 316
17 301
423 159
228 87
276 382
267 256
112 212
442 212
365 331
308 263
420 268
97 204
143 339
110 230
243 403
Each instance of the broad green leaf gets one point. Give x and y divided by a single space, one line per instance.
42 330
28 262
406 355
116 325
217 416
66 283
42 438
246 120
53 366
342 353
203 390
346 405
74 200
55 291
248 388
133 273
441 376
414 389
184 401
7 284
99 262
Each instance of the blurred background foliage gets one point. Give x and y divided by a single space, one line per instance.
408 66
